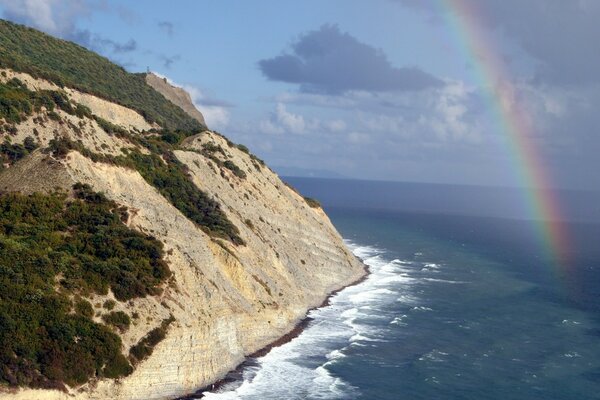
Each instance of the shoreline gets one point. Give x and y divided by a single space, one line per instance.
237 372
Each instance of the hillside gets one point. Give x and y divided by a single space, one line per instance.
67 64
139 259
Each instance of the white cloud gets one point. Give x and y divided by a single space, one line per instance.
283 121
292 122
336 125
215 117
57 17
38 12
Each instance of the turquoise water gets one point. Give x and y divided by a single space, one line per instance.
456 307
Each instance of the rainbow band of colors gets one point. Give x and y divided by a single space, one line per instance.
465 22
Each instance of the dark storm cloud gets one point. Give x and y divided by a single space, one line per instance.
329 61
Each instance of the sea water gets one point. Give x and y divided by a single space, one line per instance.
462 303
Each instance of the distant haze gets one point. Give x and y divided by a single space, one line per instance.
502 202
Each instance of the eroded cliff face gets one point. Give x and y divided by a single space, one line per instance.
175 95
228 301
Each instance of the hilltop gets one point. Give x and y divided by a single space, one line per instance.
67 64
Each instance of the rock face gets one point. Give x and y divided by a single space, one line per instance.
228 301
175 95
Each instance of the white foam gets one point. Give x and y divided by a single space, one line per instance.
434 356
442 280
421 308
399 320
299 369
371 295
335 355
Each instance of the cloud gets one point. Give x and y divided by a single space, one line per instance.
216 112
56 17
115 47
329 61
59 18
282 121
167 27
168 61
560 36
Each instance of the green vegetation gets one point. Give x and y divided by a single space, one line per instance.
237 171
17 102
143 349
118 319
312 202
67 64
11 153
109 304
170 178
172 181
53 250
84 308
209 150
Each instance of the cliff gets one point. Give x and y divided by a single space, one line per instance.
176 95
239 280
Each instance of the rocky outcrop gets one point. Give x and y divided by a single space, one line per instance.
227 301
175 95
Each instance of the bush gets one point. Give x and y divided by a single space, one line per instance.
173 182
312 202
170 178
237 171
109 304
84 308
81 246
118 319
11 153
144 348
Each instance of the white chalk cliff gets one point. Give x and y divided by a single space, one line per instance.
228 301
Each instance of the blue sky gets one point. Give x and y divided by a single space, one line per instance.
376 89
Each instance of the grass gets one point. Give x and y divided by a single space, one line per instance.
67 64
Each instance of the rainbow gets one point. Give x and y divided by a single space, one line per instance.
465 20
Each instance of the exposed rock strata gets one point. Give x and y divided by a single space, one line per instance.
227 301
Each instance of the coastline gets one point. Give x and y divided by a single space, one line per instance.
237 372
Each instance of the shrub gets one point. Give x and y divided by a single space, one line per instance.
170 178
243 148
312 202
118 319
84 308
144 348
237 171
173 182
109 304
84 242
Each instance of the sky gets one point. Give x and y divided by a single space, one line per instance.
368 89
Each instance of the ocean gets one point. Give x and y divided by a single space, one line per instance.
462 302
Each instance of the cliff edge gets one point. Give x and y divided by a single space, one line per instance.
176 95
